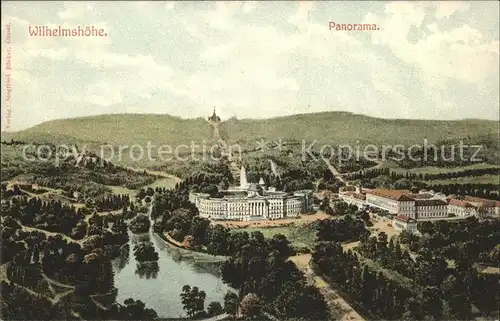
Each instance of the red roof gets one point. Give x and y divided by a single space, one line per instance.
359 196
460 203
402 218
482 201
397 195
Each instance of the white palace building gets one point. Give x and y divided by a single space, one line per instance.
252 202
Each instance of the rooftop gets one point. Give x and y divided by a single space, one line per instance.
460 203
482 201
422 196
428 202
397 195
403 218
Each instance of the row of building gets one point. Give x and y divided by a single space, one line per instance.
410 207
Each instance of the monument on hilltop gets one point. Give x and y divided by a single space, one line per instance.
214 118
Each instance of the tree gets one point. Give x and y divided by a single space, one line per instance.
214 308
193 300
231 303
135 310
199 228
280 243
145 251
251 306
340 208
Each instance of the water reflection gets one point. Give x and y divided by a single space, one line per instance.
159 284
148 270
123 259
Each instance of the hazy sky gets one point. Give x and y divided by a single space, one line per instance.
434 60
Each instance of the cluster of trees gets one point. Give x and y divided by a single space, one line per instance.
425 287
145 252
377 295
464 173
133 310
145 192
375 172
193 301
48 215
147 269
112 202
18 304
329 182
488 191
140 224
12 142
449 238
87 174
444 154
87 267
262 266
195 172
345 164
287 175
348 228
389 255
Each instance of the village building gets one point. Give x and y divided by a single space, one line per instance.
404 223
461 208
353 198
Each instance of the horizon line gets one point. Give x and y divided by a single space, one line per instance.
251 119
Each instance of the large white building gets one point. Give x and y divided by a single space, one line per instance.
473 206
251 202
430 205
419 206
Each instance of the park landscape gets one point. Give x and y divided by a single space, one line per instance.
243 160
88 218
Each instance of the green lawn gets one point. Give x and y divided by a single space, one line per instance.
122 190
162 182
484 179
298 235
439 170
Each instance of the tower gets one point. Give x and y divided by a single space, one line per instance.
214 118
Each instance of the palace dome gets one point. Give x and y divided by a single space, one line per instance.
255 188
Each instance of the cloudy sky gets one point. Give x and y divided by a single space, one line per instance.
433 60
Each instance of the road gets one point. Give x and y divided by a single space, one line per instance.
333 170
48 233
336 303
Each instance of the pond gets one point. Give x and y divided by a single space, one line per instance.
159 285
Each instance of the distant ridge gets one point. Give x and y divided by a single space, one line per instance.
338 127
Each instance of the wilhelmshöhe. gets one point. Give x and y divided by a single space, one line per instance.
87 31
